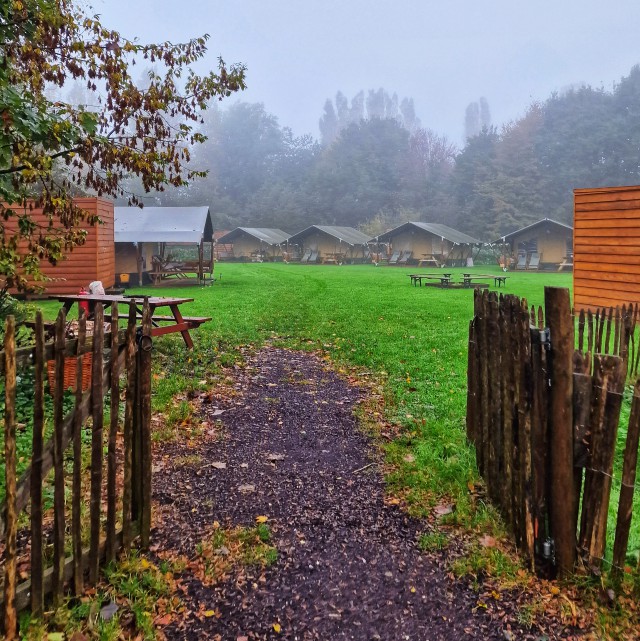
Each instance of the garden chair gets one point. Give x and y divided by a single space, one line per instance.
404 257
522 261
394 257
306 256
534 261
314 257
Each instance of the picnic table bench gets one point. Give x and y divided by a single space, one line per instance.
498 281
444 278
176 322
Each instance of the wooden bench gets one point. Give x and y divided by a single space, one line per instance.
498 281
445 279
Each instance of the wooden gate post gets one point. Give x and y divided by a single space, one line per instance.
563 498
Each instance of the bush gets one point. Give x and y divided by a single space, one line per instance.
10 306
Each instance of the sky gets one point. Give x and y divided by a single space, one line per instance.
444 54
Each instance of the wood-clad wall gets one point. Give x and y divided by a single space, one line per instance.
606 246
95 260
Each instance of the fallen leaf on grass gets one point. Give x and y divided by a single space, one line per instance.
409 458
108 611
443 510
487 541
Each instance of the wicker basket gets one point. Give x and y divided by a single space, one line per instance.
70 373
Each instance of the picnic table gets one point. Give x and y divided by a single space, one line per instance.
444 278
428 259
498 281
175 322
333 259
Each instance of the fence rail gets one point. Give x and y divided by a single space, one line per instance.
118 357
543 413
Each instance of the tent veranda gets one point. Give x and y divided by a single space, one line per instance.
145 239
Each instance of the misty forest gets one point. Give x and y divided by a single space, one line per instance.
376 165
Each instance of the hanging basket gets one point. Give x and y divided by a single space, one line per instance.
70 373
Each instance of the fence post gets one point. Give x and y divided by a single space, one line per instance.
145 425
625 504
10 516
58 463
563 503
37 446
97 395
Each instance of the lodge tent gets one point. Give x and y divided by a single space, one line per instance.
328 244
149 240
256 244
429 243
550 240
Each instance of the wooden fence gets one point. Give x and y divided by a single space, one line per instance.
118 356
543 410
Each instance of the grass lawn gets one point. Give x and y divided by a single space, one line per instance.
412 339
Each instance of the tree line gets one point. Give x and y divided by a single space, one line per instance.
376 166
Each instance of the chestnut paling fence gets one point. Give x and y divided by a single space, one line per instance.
120 366
545 392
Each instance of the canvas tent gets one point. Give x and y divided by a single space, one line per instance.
154 239
257 244
429 243
328 244
546 240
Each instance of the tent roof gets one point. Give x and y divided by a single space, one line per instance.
549 221
163 225
436 229
263 234
347 235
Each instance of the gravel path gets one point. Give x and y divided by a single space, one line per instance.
348 566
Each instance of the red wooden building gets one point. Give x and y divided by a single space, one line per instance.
606 246
95 260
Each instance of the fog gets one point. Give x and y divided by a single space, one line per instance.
444 55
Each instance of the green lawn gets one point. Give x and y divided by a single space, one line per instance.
412 339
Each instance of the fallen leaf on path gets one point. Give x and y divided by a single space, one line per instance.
219 465
276 627
262 519
247 488
165 620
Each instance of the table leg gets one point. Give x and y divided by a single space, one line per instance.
185 332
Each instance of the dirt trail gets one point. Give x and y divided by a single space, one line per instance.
348 566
